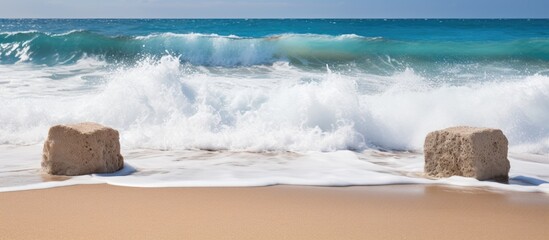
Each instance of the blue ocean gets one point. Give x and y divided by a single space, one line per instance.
249 102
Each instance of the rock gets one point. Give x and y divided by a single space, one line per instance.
467 151
82 148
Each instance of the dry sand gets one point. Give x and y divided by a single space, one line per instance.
279 212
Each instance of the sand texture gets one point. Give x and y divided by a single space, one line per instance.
279 212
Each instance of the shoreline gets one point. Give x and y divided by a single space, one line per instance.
189 168
101 211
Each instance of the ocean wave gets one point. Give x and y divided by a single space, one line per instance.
218 50
164 104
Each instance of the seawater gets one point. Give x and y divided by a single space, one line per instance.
259 102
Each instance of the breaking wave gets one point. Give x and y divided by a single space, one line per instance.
229 51
165 104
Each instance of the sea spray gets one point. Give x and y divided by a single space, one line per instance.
164 104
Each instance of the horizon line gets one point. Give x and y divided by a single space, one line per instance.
285 18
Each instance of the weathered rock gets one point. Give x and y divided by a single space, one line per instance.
467 151
82 148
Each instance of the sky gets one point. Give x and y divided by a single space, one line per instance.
274 9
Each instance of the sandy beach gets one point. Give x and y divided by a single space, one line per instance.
276 212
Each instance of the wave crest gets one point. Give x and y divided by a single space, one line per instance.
216 50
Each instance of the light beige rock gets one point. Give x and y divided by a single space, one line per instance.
480 153
82 148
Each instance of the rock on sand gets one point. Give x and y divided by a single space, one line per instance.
82 148
480 153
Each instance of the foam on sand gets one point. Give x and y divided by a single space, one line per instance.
184 168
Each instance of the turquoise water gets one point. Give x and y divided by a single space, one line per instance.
419 29
302 42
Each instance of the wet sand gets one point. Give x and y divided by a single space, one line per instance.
276 212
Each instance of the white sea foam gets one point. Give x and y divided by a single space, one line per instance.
19 32
186 35
165 105
183 168
324 127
